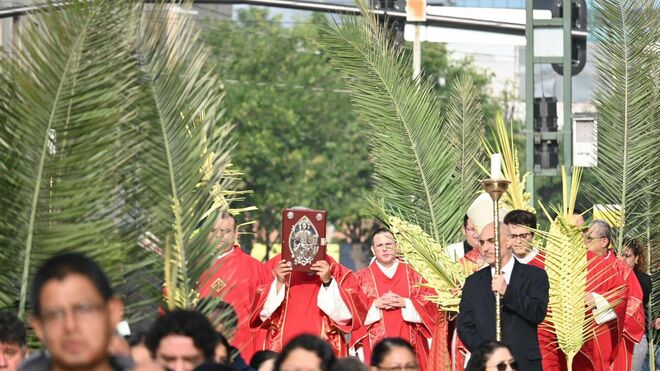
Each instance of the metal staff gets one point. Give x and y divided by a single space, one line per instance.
495 188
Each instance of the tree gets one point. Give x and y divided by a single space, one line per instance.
297 138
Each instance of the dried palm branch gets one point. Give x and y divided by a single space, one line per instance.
515 196
414 165
427 257
566 264
626 99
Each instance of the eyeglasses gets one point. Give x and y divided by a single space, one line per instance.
470 230
502 366
408 367
591 238
82 311
522 236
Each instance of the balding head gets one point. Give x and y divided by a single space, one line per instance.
487 244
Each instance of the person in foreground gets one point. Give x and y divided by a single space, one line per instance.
393 354
13 342
181 340
74 315
491 356
305 353
524 300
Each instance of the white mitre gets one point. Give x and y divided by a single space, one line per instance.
480 211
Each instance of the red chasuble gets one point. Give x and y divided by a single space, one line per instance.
405 283
299 313
598 354
235 278
634 322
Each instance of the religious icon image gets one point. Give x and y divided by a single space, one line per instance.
303 242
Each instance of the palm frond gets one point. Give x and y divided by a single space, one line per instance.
414 166
62 134
465 130
626 64
515 197
186 147
428 258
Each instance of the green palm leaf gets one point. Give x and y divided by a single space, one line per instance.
627 174
465 132
186 147
414 167
61 132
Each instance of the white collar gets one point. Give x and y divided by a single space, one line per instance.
529 257
388 271
505 270
227 252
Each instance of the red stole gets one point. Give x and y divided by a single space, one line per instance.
235 278
299 314
405 282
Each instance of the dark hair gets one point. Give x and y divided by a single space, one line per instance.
12 329
211 366
384 347
480 357
349 364
186 323
465 220
311 343
638 250
260 357
59 267
219 312
222 340
376 232
520 217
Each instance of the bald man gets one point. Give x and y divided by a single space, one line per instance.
524 300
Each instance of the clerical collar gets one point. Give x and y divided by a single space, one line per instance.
391 271
529 257
227 252
505 269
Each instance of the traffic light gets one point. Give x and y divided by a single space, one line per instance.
578 45
546 146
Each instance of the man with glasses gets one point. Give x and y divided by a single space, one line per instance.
74 315
524 301
471 243
598 239
521 224
396 300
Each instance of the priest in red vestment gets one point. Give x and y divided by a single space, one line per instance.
634 321
326 302
234 277
397 304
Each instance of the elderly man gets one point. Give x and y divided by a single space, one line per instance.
471 243
598 240
524 300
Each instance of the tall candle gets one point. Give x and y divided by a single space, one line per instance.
496 166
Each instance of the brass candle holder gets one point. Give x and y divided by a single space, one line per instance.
496 188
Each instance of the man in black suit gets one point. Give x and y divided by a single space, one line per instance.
524 291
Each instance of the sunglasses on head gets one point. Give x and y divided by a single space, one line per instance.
502 366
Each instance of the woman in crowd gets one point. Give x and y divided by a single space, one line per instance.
633 256
393 354
305 353
491 356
